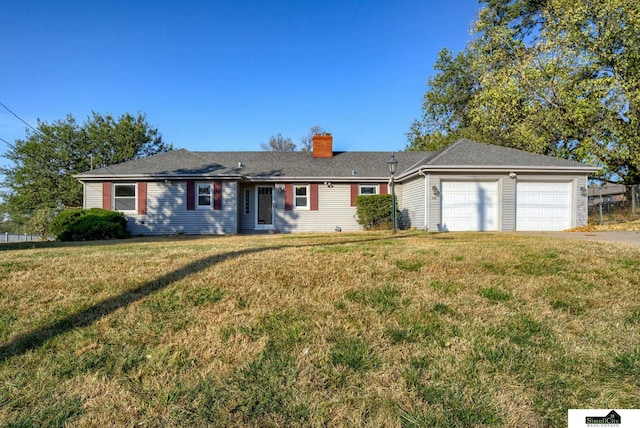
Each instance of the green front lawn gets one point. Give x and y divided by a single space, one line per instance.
416 329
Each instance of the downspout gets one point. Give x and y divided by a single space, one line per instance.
426 198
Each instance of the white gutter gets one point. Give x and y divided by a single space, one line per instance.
496 168
250 179
511 168
296 179
153 177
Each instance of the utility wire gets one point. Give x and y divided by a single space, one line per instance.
19 118
6 142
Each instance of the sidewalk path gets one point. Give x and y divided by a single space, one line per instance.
631 237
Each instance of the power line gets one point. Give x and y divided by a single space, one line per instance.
5 141
19 118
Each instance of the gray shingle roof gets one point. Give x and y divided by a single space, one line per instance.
264 165
258 165
469 153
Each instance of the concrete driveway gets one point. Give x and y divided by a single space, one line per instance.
631 237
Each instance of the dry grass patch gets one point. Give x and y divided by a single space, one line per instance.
619 225
313 330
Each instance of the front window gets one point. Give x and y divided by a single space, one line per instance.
301 197
205 194
124 196
366 189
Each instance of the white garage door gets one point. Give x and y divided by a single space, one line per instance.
469 205
543 206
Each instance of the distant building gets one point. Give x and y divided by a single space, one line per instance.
608 193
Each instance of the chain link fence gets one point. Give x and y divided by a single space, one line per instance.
614 203
17 237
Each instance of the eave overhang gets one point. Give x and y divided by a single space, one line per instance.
244 178
498 169
155 177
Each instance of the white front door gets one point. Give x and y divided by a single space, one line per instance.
264 204
469 205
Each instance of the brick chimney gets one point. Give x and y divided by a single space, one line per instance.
322 145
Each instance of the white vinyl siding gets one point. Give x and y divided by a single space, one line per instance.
334 209
167 212
412 204
433 206
508 192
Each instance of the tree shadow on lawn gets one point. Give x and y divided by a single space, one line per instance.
25 342
39 245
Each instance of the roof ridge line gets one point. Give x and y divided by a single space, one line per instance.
446 150
420 162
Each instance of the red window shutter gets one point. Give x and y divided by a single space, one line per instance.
142 197
313 202
191 195
217 195
384 189
354 194
288 197
106 195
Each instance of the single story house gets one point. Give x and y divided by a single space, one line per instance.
466 186
607 193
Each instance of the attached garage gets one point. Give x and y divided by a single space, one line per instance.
469 205
479 187
543 206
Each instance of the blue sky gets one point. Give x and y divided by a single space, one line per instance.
227 75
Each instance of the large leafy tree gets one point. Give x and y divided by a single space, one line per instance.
559 77
43 164
446 103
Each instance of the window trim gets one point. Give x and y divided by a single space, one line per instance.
376 187
307 197
197 194
114 198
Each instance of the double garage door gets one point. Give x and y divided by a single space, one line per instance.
473 205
